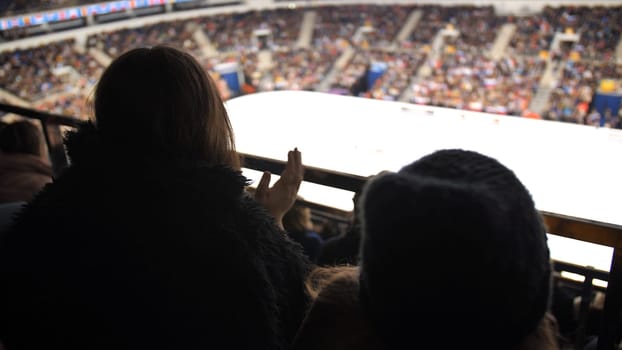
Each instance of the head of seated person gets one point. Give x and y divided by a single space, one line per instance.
297 223
21 137
454 251
24 166
159 103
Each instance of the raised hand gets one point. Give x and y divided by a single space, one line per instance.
280 198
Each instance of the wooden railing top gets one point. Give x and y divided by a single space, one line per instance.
571 227
585 230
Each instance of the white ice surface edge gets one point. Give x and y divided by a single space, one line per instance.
569 169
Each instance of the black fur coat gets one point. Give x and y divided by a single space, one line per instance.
122 252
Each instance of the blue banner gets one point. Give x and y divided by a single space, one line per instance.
604 103
77 12
230 73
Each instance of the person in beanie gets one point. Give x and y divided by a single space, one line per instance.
454 255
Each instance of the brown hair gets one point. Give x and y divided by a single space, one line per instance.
320 277
295 220
160 102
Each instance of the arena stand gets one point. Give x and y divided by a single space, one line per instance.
459 73
572 97
55 77
445 60
176 33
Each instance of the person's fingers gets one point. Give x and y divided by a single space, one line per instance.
296 168
299 166
289 170
262 187
290 157
290 166
298 156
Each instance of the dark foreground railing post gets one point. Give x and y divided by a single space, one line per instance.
56 149
51 127
584 308
612 311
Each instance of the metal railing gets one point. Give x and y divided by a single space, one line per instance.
565 226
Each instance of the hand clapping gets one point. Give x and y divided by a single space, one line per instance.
280 198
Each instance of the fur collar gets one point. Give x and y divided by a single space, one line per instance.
87 150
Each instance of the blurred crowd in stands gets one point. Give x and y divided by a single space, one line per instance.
367 26
571 99
236 32
468 80
446 59
175 33
55 77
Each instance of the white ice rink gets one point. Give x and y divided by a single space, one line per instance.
570 169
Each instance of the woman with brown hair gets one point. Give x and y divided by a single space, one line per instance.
149 239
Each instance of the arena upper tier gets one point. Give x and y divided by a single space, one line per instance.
547 64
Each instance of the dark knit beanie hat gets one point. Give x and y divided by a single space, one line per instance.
454 254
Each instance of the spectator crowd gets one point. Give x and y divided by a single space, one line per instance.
444 61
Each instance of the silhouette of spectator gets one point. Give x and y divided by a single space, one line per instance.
360 85
344 249
594 118
297 223
327 228
454 255
24 167
149 239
